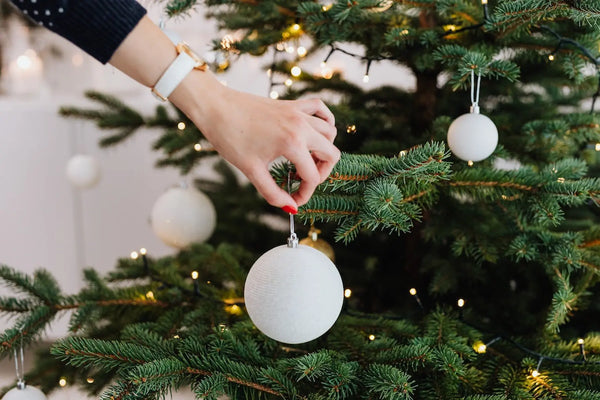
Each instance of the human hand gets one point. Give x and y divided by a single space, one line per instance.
251 132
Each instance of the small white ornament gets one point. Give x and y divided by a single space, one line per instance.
27 393
294 294
472 137
182 216
83 171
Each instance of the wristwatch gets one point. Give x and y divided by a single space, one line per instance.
185 62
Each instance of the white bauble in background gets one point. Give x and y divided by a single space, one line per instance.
83 171
472 137
293 294
182 216
28 393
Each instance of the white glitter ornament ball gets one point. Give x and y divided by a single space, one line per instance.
472 137
83 171
28 393
182 216
293 294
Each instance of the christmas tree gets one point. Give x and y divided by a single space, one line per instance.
469 274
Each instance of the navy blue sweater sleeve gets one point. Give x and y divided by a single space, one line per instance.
96 26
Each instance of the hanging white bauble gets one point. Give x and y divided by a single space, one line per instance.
293 294
472 137
27 393
83 171
182 216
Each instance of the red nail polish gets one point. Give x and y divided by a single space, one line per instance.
290 210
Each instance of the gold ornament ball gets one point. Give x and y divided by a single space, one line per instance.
320 245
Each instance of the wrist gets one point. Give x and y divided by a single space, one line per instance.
196 97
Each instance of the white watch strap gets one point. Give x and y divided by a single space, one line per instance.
173 76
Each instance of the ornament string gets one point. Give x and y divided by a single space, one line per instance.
20 365
475 89
293 239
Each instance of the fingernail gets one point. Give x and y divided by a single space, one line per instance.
290 209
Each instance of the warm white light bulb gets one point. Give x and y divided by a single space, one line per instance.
347 293
90 380
181 126
288 82
371 337
413 291
296 71
24 62
535 373
143 251
366 79
302 51
134 255
198 147
62 382
470 163
597 147
274 95
461 303
195 275
579 341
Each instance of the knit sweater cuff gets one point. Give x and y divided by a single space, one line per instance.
99 26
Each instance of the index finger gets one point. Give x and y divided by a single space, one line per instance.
317 108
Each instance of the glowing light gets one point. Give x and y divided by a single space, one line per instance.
413 291
176 337
290 49
551 57
296 71
597 147
274 95
77 60
288 82
134 255
579 341
24 62
402 153
323 64
62 382
366 79
280 46
181 126
504 197
150 295
470 163
227 42
302 51
198 147
295 28
450 28
347 293
479 347
269 72
404 32
560 180
327 73
195 275
535 373
371 337
222 327
90 380
461 303
143 251
484 1
234 310
351 129
327 7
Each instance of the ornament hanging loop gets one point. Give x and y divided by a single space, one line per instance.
475 88
20 366
292 241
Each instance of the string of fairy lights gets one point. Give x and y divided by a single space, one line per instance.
290 45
